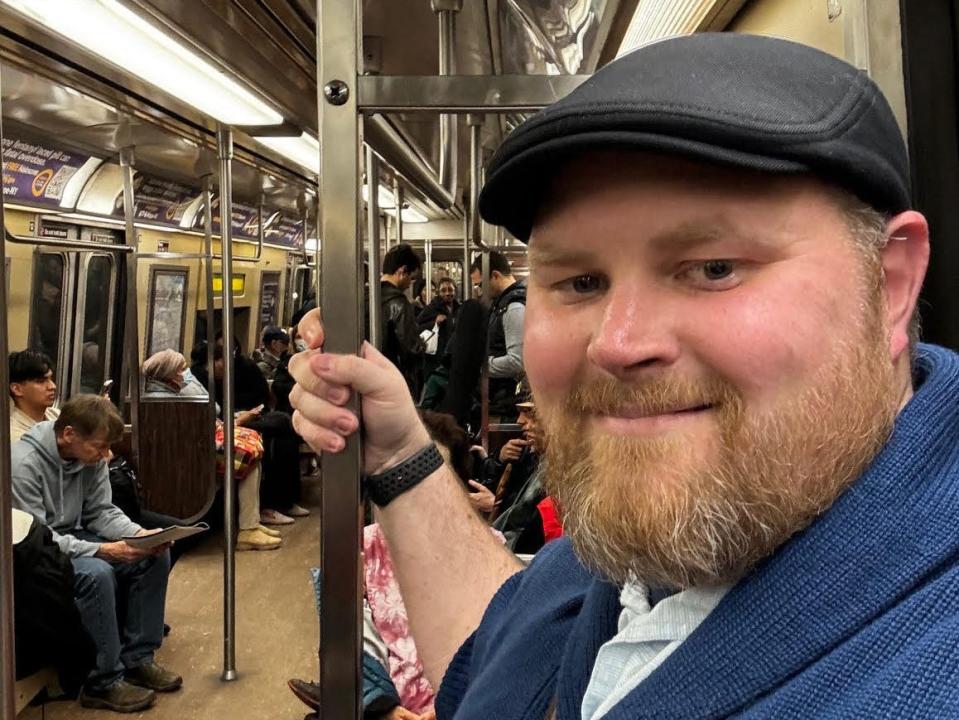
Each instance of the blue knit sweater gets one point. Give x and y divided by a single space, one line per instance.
856 617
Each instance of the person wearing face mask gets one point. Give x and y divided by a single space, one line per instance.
167 373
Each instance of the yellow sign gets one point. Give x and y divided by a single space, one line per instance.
239 283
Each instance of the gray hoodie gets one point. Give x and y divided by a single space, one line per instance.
65 495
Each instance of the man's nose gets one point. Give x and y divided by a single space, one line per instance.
636 332
107 455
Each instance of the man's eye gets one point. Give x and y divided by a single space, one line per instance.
717 269
586 284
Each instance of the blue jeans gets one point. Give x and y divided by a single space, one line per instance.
122 606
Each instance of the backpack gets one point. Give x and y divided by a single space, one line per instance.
126 488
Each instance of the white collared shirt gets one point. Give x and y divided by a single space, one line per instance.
646 637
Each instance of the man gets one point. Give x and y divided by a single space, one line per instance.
32 391
441 314
59 473
275 345
754 459
400 337
504 340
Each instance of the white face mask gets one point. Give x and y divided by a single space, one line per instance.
300 345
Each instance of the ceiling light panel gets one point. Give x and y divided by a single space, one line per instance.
119 35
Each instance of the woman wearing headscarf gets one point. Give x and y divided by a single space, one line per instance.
167 373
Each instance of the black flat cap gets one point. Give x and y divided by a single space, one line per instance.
735 100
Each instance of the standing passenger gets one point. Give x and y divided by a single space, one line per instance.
439 316
59 473
400 336
504 341
755 460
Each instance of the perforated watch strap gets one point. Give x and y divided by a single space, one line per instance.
383 487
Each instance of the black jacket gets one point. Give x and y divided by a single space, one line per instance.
48 626
400 336
427 317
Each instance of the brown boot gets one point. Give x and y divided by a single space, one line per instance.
120 697
150 675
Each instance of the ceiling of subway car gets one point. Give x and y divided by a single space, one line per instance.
270 44
401 38
38 108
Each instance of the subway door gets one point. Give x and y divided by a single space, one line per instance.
72 317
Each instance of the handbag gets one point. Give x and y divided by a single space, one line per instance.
247 450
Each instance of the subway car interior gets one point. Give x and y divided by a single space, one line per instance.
331 132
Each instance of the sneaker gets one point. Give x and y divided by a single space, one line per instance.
307 692
120 697
297 511
272 517
256 540
269 531
152 676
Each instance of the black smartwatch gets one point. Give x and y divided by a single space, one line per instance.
383 487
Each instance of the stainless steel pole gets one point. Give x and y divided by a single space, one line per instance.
224 138
449 136
484 375
373 238
7 656
428 251
398 199
210 313
337 52
467 283
130 375
388 224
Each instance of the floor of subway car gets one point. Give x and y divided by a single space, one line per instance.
276 638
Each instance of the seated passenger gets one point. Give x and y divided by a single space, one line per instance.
514 507
59 474
395 686
275 345
520 456
165 372
281 491
32 391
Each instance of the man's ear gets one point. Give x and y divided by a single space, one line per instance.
904 262
16 389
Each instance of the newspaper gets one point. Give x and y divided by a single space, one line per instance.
166 535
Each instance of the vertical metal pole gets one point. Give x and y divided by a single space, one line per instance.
130 375
7 655
484 376
467 283
224 149
338 30
373 237
398 199
210 313
446 17
428 250
475 123
389 230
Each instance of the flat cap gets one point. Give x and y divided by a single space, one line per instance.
736 100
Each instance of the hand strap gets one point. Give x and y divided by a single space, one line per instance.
383 487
